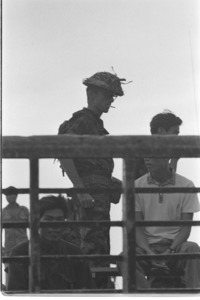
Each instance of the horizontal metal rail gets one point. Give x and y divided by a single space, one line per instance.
169 290
71 191
62 224
111 291
68 146
74 291
161 256
168 223
110 258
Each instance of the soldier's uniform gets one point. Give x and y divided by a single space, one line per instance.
94 173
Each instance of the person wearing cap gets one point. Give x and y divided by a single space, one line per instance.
56 274
102 89
14 212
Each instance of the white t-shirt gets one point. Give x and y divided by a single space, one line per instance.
165 207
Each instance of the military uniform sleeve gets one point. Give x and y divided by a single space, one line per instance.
81 126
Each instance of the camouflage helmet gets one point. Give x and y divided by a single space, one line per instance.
106 81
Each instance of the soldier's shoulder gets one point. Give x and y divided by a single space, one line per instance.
80 123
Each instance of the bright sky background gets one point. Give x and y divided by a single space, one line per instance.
50 46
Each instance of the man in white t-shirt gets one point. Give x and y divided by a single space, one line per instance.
166 207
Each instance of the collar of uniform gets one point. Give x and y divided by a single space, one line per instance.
92 113
85 109
171 180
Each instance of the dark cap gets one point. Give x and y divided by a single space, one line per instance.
11 190
106 81
52 202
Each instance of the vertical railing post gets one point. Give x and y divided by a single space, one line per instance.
129 252
34 245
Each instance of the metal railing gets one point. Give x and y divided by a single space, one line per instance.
127 148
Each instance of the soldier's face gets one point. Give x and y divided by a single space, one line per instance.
50 233
103 100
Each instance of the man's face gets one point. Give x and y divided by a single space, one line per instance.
52 234
11 198
155 165
172 130
103 100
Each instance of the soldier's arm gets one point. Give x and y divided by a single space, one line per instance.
68 166
82 125
142 241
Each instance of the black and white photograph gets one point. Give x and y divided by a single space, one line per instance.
100 156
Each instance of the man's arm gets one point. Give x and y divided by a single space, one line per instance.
141 239
68 166
142 242
184 233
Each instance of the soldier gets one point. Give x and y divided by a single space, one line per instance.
102 89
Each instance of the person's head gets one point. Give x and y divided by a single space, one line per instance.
165 123
156 165
52 208
102 89
11 194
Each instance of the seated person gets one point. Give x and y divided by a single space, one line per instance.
55 274
166 207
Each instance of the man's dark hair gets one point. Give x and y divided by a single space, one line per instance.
11 190
164 120
52 202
